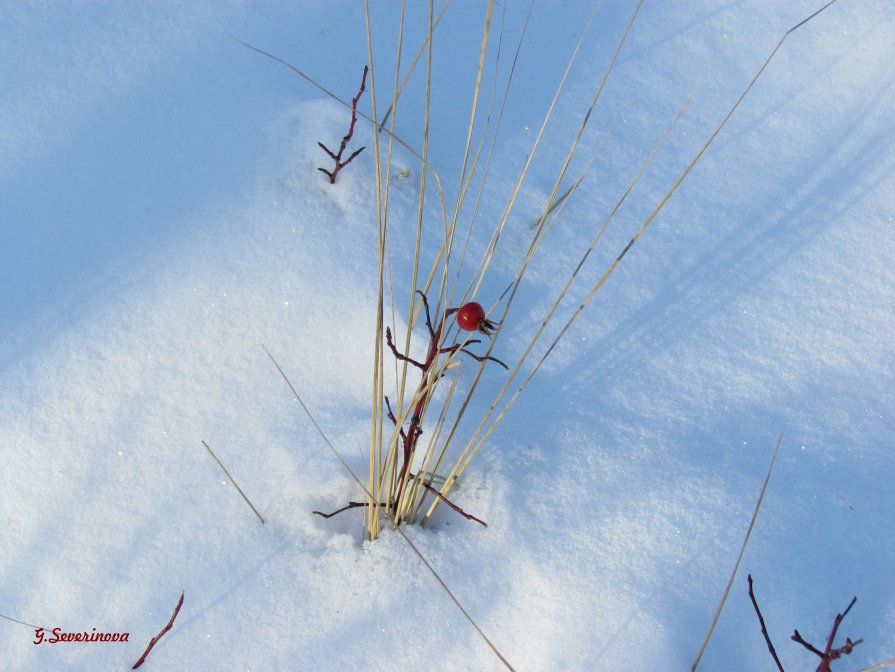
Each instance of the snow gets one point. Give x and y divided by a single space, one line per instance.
162 218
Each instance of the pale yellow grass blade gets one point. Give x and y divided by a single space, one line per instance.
736 566
879 666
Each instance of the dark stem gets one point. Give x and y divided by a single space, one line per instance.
478 358
353 154
837 622
796 637
444 499
764 630
428 316
830 654
398 355
328 151
351 505
337 156
391 416
160 635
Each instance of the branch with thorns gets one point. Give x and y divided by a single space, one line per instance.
337 156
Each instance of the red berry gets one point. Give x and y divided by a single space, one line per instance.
470 316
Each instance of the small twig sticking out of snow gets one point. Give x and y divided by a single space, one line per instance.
764 630
337 156
159 635
828 655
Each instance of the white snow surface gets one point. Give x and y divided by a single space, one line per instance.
161 217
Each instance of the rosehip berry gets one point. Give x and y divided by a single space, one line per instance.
471 317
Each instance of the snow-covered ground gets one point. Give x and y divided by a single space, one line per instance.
161 217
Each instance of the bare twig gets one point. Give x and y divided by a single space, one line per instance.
350 505
337 156
398 355
160 635
837 622
428 486
238 489
830 654
764 630
478 358
391 416
798 639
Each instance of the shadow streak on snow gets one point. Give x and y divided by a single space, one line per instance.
766 239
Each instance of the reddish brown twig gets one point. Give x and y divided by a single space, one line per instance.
160 635
764 630
337 156
830 654
437 493
350 505
414 430
426 485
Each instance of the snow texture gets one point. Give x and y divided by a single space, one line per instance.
161 217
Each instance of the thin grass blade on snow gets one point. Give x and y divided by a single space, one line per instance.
736 566
233 482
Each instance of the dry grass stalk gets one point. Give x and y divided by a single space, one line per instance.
736 565
233 482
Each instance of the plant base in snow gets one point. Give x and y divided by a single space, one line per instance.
469 317
337 156
828 655
429 488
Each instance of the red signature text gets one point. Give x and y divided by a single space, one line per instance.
57 636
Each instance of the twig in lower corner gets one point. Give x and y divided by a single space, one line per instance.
238 489
830 654
155 639
337 156
764 630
